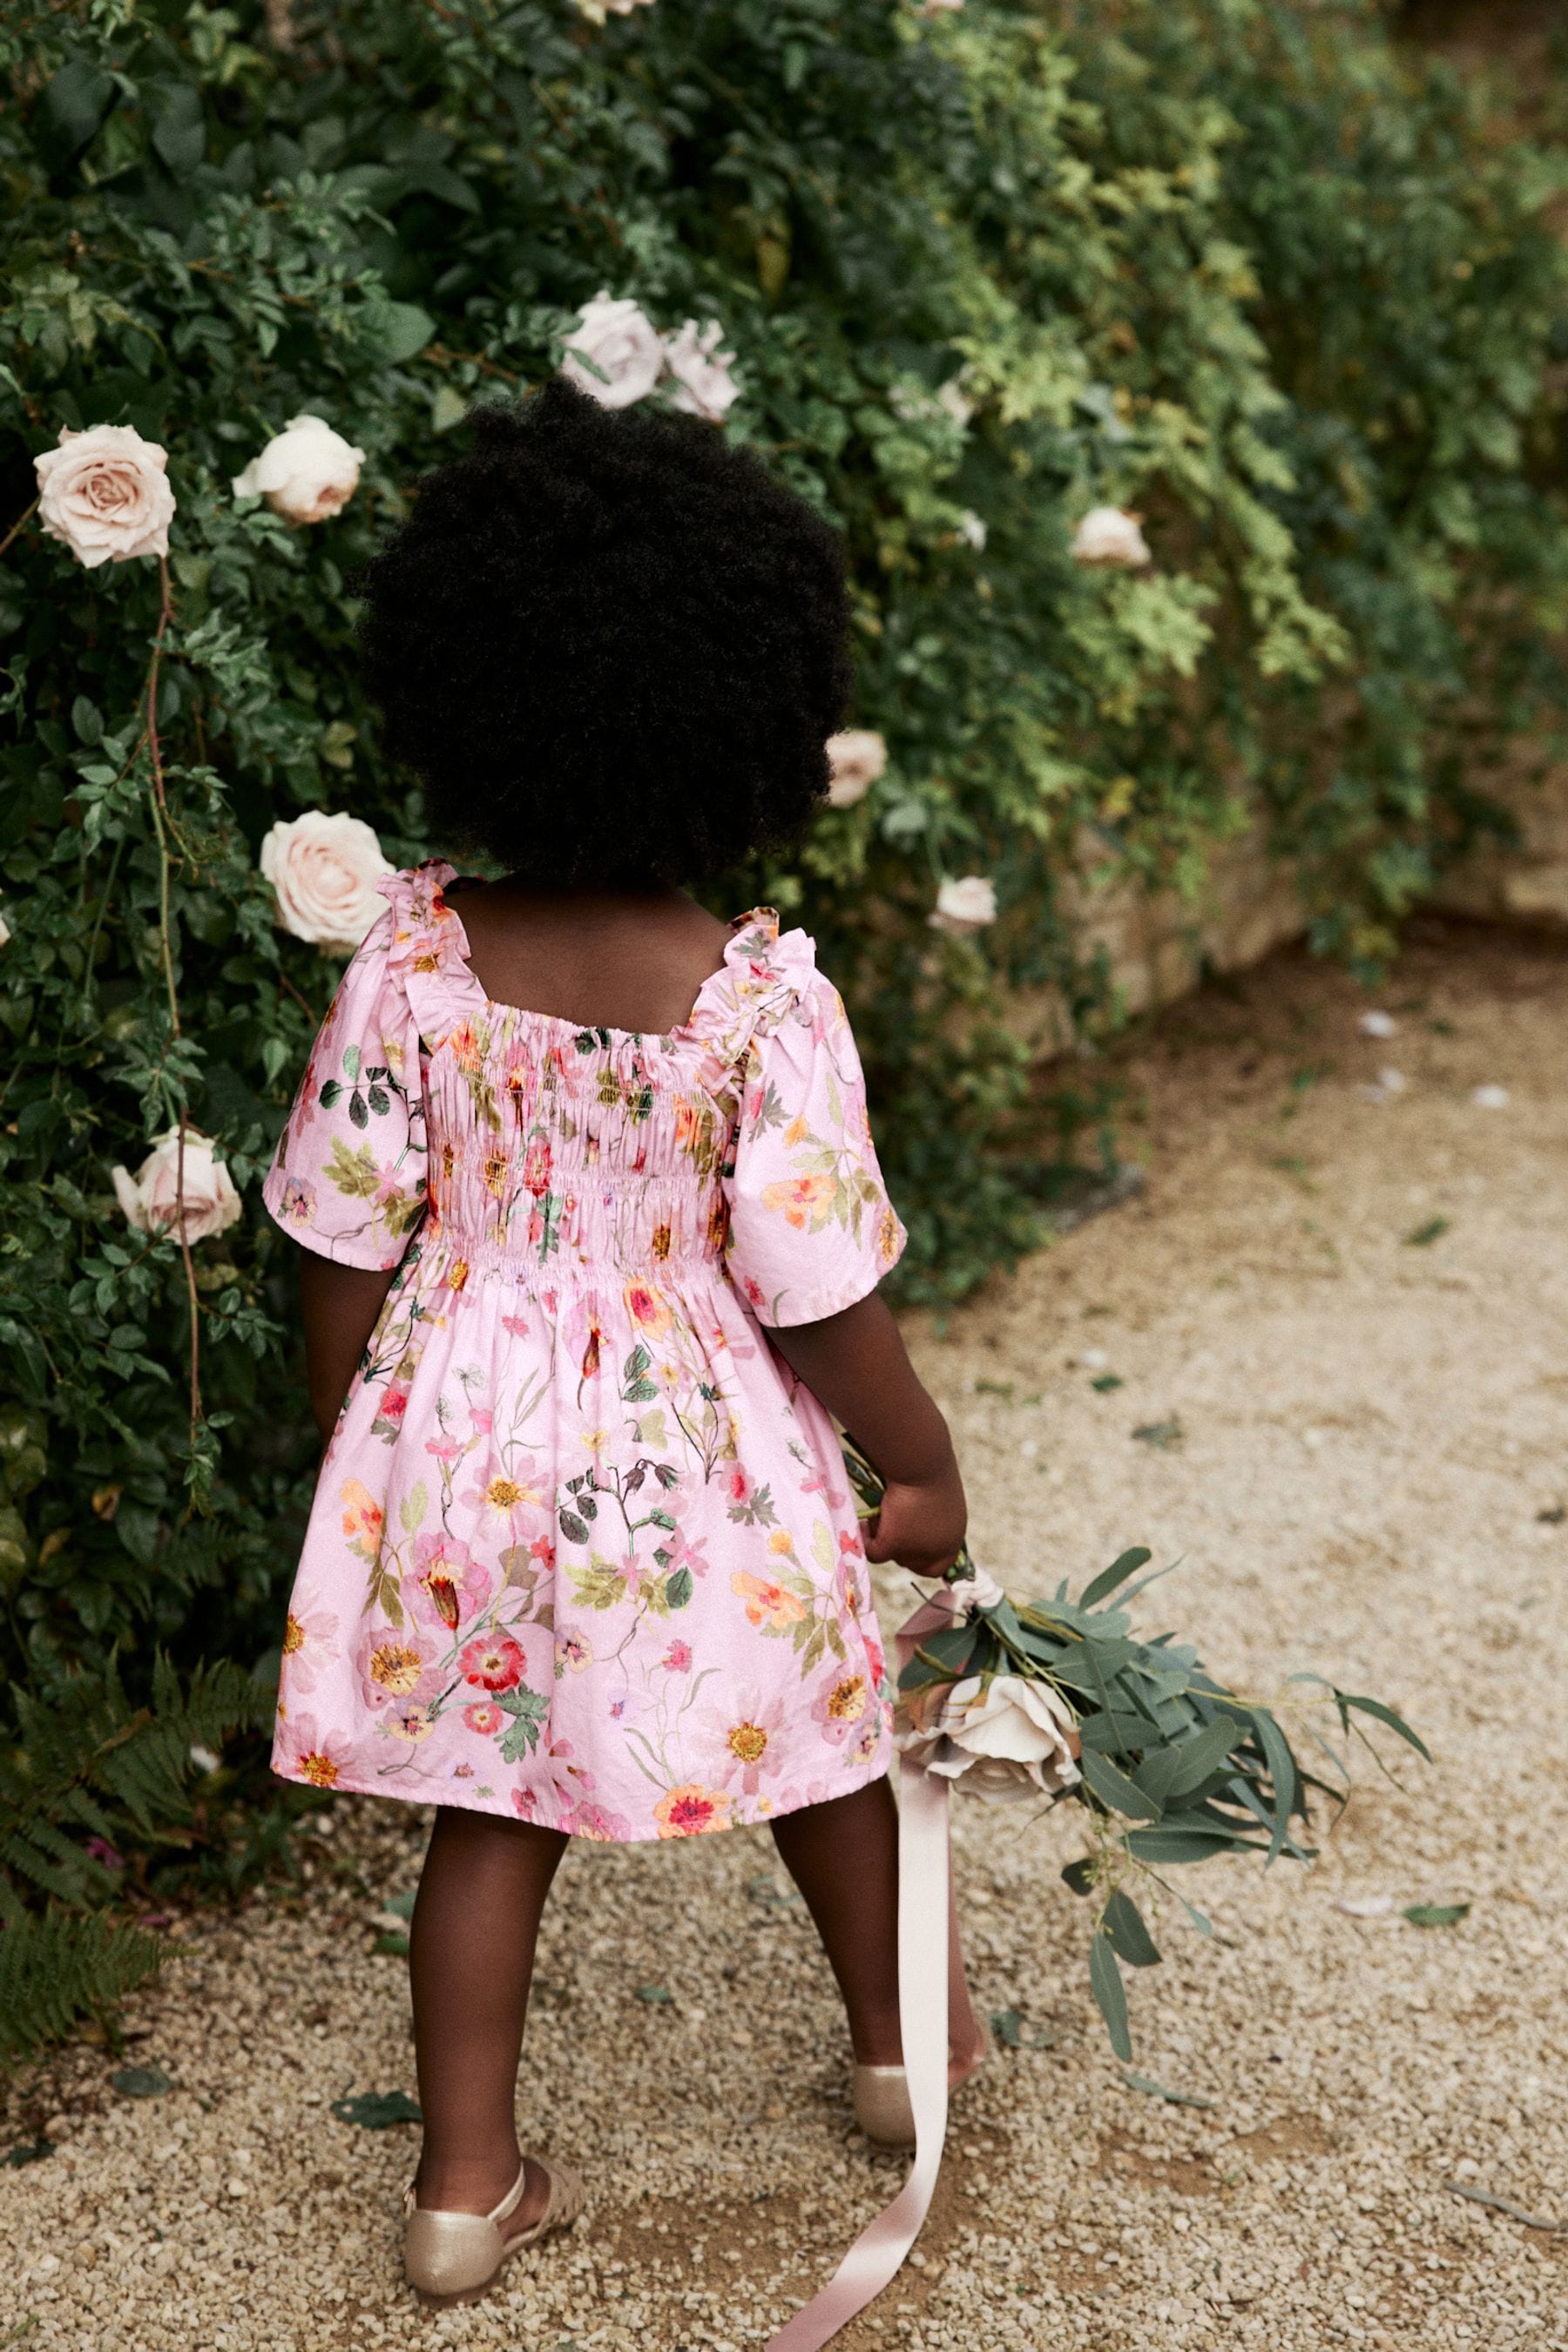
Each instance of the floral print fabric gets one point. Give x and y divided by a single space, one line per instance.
582 1549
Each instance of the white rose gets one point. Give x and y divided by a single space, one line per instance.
1107 535
596 10
106 493
703 372
150 1197
955 401
965 906
971 530
5 932
1005 1739
324 870
857 758
306 473
624 345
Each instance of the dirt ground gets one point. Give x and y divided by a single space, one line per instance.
1339 1318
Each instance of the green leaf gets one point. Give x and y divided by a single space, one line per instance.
1105 1982
1079 1875
390 1947
1435 1914
1117 1573
656 1995
1192 1760
1009 2026
76 103
377 2110
1115 1790
179 131
679 1590
1152 2090
402 1906
1423 1236
1375 1707
1123 1923
1281 1771
574 1529
1168 1845
401 330
141 2082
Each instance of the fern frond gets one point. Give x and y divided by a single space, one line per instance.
57 1966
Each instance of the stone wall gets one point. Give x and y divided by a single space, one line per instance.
1158 947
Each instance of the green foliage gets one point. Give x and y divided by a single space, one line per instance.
1229 263
85 1773
58 1966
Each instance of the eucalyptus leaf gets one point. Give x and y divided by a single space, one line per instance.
1105 1982
377 2110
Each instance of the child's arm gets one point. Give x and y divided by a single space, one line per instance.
341 1305
856 1363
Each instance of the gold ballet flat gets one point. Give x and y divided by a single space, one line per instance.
882 2107
451 2258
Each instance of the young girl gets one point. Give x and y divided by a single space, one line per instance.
594 1228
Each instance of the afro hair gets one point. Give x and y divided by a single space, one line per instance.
609 643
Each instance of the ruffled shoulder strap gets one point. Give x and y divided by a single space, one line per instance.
764 977
428 952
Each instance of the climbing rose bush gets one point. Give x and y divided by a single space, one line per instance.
1238 270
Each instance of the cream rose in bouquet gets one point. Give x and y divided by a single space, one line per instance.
1004 1737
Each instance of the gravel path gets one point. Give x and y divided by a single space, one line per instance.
1364 1471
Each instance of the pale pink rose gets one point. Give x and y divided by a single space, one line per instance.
206 1195
306 473
703 372
967 905
597 11
5 932
324 869
857 758
1107 535
624 347
1006 1738
106 493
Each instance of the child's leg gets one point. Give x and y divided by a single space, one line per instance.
471 1963
844 1857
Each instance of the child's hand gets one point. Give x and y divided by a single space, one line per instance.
920 1525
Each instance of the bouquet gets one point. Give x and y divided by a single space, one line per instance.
1057 1700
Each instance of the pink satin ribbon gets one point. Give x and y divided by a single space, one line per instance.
930 1986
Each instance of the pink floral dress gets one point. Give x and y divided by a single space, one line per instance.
582 1549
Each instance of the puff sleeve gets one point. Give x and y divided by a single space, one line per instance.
811 1228
347 1179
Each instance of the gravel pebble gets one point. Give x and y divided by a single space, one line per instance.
1258 1291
